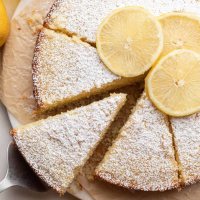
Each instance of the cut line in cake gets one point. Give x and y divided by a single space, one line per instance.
66 69
153 152
58 147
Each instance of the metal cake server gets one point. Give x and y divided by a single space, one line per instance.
19 173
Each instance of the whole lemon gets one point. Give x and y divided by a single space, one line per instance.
4 24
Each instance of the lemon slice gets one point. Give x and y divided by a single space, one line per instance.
4 24
181 31
129 41
173 85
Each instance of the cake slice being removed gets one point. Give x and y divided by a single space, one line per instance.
186 132
58 147
66 69
142 157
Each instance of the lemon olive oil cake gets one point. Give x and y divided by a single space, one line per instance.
152 151
142 157
58 147
66 69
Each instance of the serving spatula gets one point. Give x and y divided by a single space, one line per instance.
19 173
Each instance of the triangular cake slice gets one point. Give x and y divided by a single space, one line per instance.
58 147
186 132
66 69
142 157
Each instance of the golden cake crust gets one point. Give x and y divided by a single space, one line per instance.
34 70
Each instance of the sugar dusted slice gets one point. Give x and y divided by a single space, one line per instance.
66 69
58 147
186 132
142 157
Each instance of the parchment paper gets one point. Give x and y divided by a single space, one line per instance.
16 94
16 78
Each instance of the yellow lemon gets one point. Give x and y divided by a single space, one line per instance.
4 24
129 41
173 85
181 31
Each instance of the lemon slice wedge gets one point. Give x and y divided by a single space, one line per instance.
181 31
129 41
173 85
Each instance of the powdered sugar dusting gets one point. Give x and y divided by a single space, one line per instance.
65 68
187 139
82 17
133 93
142 157
58 147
